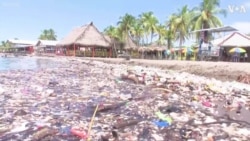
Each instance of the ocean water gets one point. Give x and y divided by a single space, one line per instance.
24 63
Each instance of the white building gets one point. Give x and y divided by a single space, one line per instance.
46 46
22 45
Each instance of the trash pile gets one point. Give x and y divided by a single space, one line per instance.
244 79
90 100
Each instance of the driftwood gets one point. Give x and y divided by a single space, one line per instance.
133 77
104 108
244 78
127 123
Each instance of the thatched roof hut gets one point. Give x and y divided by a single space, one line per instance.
129 44
108 38
87 35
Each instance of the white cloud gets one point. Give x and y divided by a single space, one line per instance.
243 27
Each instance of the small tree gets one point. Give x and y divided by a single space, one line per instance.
48 34
5 44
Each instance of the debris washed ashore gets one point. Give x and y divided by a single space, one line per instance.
134 103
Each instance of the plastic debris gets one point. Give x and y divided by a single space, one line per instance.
135 103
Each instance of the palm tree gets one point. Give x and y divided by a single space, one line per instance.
125 25
182 21
162 34
171 30
149 23
170 37
5 44
113 32
137 32
48 34
52 34
44 35
205 16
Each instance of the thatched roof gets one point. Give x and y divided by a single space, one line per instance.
87 35
108 38
149 49
129 44
142 49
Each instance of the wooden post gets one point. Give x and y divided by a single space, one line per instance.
74 50
110 52
78 49
93 52
66 51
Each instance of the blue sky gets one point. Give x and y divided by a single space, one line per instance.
25 19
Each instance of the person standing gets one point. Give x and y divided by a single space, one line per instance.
237 57
245 57
234 57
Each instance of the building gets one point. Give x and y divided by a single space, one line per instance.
46 46
21 46
85 41
232 40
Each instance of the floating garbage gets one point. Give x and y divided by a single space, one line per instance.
134 103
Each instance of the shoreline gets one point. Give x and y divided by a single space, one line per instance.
224 71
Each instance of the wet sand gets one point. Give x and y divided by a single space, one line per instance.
225 71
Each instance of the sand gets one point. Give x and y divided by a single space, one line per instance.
225 71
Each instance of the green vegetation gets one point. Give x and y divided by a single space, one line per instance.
205 16
5 44
48 34
144 28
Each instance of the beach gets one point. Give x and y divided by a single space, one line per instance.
112 78
225 71
134 102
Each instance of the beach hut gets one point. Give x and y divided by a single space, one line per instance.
129 44
131 48
116 44
85 40
152 52
21 46
46 46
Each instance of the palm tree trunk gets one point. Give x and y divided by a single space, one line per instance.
152 34
126 34
180 45
205 26
159 39
169 43
139 41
